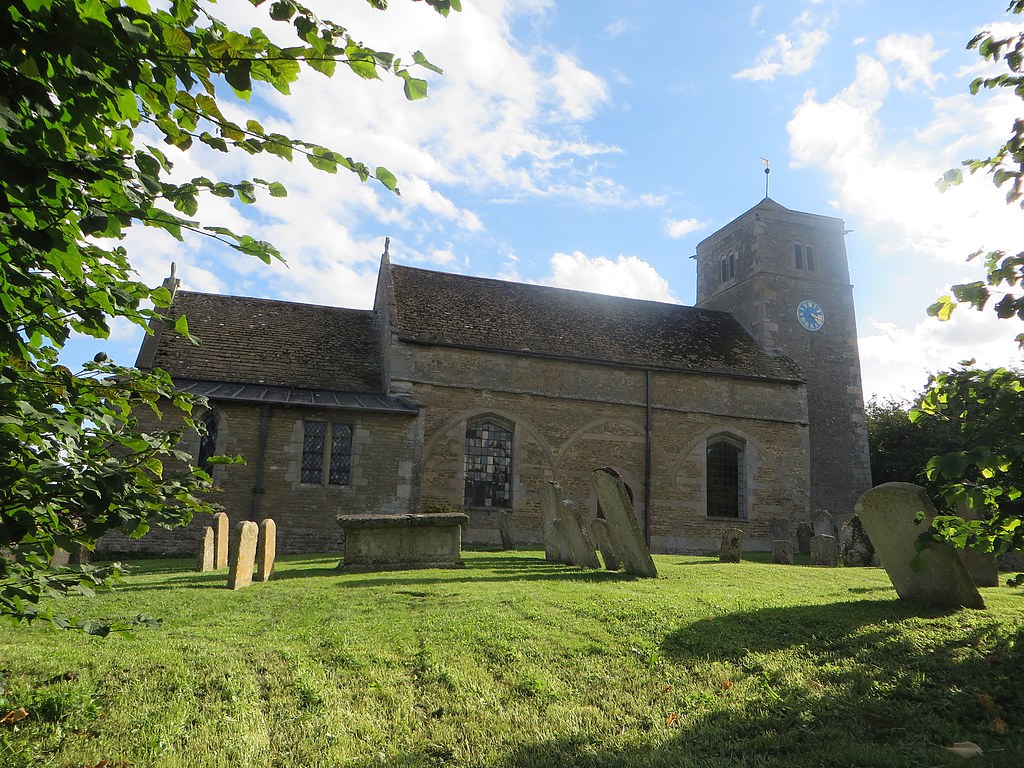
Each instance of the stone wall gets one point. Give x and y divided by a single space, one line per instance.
571 418
384 452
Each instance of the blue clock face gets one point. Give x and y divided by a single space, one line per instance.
810 315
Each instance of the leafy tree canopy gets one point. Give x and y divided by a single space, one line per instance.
92 93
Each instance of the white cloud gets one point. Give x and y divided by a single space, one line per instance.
617 28
579 91
916 53
675 228
788 55
627 276
755 13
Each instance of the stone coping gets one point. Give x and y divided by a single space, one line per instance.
429 520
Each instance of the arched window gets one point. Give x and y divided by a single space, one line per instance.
726 491
809 253
488 464
207 440
798 255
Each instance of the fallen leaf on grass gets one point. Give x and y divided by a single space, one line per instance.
672 719
727 685
667 689
998 725
965 749
14 716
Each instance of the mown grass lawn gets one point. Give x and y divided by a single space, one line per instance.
517 662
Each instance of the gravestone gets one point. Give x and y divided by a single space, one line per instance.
857 549
60 558
402 542
581 546
981 565
824 524
602 535
205 560
625 530
82 555
782 552
505 529
220 540
825 551
266 549
780 529
556 544
935 576
243 555
804 534
732 546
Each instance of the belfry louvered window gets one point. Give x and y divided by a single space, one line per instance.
726 492
488 465
326 452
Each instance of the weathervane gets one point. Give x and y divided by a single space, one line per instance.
767 171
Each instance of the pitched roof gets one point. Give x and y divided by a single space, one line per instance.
275 343
447 309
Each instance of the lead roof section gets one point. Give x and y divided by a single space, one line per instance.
441 308
272 343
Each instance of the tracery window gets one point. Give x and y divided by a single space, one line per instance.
488 464
326 451
726 495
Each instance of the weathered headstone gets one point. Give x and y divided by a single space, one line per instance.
732 546
780 529
825 551
824 523
581 546
204 562
220 540
935 576
505 529
857 549
602 535
981 565
60 558
266 549
804 534
556 546
243 555
625 530
81 555
782 552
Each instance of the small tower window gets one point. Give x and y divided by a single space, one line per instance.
732 265
798 255
809 257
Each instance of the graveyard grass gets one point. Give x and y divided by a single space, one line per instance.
516 662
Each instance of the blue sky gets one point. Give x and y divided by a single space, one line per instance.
593 144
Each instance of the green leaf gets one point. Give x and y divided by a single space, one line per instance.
277 189
415 88
386 177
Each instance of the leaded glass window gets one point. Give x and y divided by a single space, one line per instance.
313 443
341 454
318 437
726 492
798 255
488 465
207 440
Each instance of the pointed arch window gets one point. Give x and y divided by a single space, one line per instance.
207 440
726 494
488 464
798 255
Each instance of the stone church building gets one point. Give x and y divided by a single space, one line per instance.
472 393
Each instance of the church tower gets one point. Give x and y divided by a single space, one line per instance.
785 276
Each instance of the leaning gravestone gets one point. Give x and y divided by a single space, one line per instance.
505 530
205 560
581 546
935 576
625 530
243 555
782 552
602 535
857 549
732 546
825 551
556 544
824 523
266 549
220 540
804 534
981 565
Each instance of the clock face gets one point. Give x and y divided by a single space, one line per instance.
811 315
